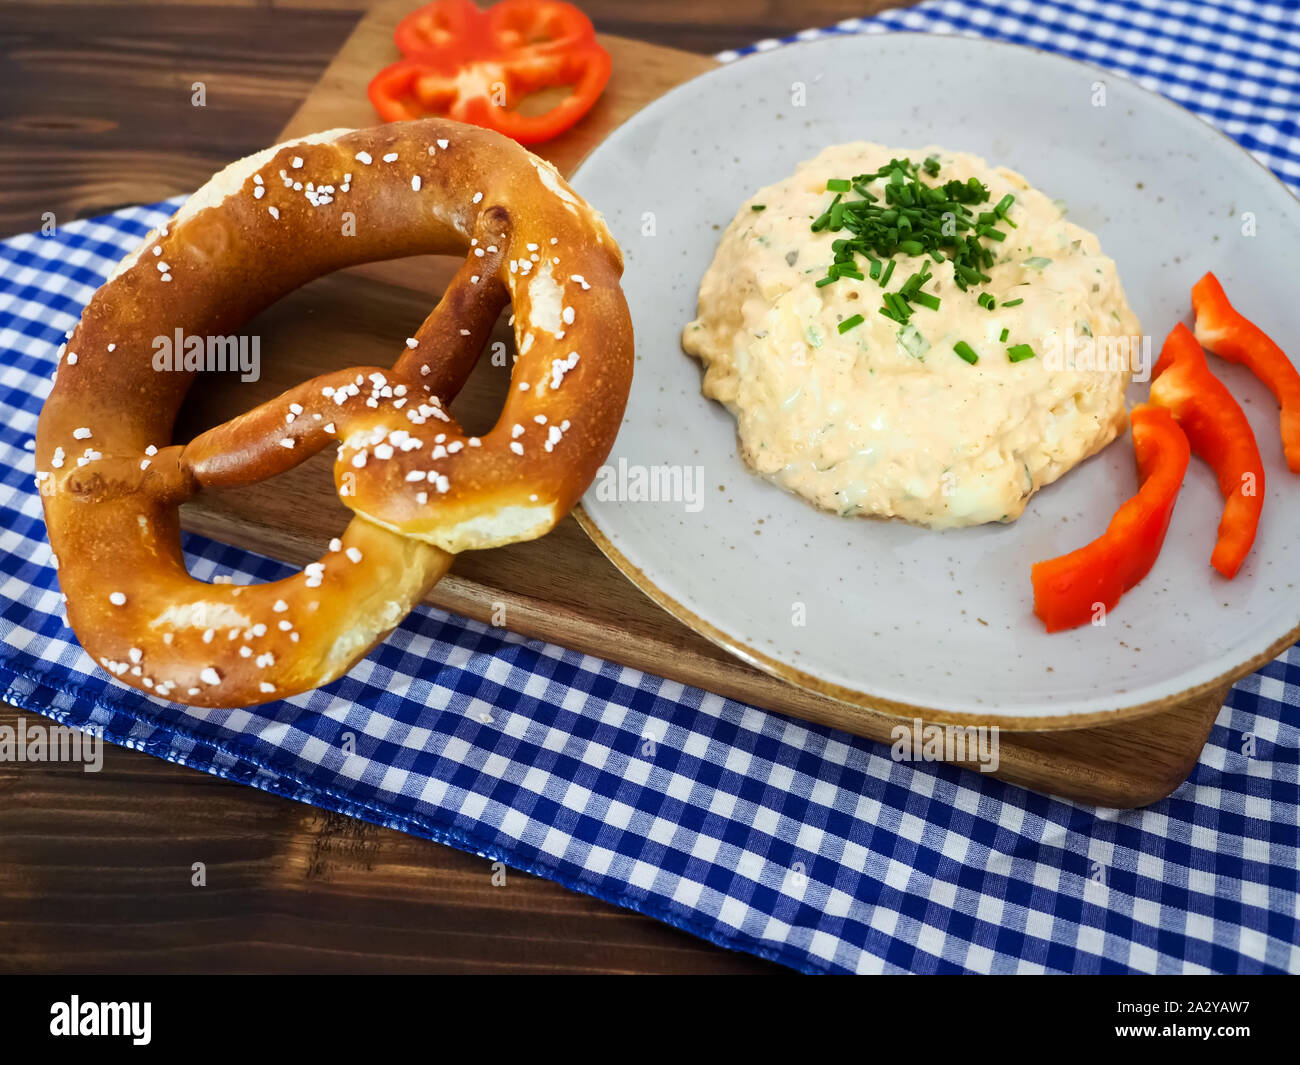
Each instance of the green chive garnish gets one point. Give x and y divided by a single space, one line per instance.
758 207
824 281
1012 303
1003 338
1020 352
966 352
851 323
912 217
913 284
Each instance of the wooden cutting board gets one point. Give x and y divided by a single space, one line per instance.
561 588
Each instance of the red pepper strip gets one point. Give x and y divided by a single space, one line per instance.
1218 432
1230 335
1068 589
477 66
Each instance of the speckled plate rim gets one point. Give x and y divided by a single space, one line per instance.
892 707
866 700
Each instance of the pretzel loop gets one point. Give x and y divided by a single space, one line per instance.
420 488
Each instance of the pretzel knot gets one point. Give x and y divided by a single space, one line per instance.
420 489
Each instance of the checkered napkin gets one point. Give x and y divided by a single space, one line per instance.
794 842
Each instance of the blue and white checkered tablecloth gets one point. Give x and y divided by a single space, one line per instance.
794 842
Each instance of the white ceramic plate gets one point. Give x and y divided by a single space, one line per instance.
902 618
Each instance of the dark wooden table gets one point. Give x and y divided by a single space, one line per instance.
95 869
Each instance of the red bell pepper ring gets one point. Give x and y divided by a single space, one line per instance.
1069 590
436 25
1219 433
1232 336
522 26
477 66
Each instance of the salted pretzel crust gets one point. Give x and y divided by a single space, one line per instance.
421 489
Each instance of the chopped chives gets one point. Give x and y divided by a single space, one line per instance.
824 281
1003 338
895 307
851 323
987 301
1020 352
966 352
912 217
1012 303
758 207
913 283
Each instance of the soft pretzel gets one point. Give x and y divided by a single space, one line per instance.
420 488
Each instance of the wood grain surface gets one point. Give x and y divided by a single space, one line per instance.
95 108
95 111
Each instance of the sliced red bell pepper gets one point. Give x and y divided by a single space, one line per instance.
435 25
1068 589
477 66
1218 432
521 26
1232 336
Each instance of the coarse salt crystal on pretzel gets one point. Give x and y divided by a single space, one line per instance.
420 489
